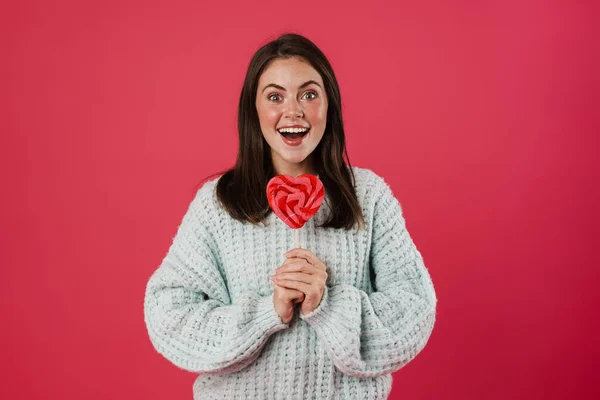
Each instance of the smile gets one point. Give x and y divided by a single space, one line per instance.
293 133
293 136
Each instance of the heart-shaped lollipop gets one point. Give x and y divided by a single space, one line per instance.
295 200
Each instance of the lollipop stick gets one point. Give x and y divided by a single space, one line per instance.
297 238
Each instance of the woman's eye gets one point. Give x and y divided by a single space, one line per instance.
310 95
274 97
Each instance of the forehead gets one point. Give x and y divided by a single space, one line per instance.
291 72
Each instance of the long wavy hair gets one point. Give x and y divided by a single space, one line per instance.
242 189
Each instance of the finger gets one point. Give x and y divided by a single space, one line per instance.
287 291
308 255
300 265
314 278
294 295
287 294
303 267
301 286
295 260
300 277
301 253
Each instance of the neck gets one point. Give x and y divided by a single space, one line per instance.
295 169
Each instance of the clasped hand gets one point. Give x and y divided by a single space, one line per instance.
300 279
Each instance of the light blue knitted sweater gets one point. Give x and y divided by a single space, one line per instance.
209 306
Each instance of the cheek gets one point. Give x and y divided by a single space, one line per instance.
319 112
268 116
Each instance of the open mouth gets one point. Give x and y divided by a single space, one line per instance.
293 133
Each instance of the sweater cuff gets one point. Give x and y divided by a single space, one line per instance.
268 315
320 312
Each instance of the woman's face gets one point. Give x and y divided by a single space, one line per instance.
292 109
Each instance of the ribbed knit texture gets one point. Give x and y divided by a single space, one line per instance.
209 306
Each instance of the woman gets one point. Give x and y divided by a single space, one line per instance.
365 301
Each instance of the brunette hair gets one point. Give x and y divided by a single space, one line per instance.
242 189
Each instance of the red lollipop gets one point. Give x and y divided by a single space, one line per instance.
295 200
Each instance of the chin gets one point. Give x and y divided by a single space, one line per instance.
293 158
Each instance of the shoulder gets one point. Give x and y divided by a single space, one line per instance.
372 190
205 203
365 176
208 189
369 183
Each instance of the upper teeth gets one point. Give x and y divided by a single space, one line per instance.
292 130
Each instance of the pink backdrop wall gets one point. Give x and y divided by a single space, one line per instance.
482 116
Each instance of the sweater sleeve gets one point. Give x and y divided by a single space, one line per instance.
187 309
368 335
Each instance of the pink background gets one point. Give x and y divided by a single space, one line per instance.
482 116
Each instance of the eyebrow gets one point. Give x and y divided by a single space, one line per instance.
305 84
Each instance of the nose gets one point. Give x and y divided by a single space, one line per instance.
294 109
